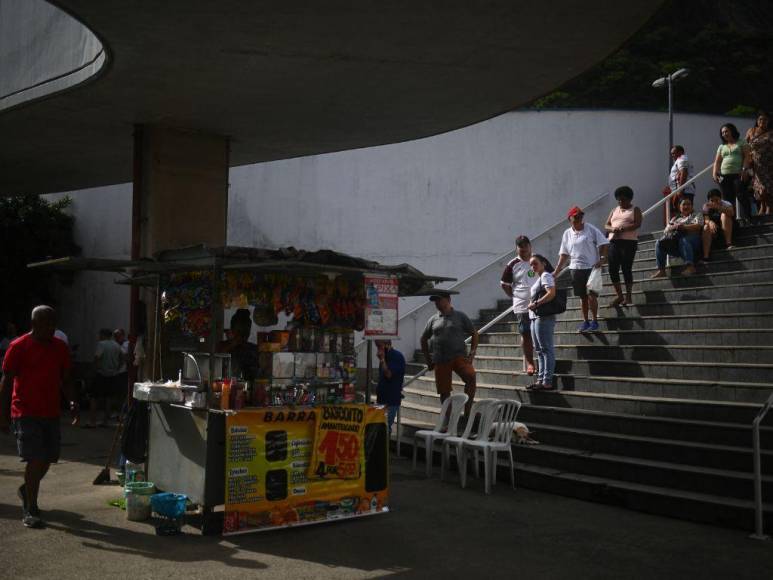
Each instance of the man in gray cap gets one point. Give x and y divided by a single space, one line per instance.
445 333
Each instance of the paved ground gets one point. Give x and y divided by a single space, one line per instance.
436 530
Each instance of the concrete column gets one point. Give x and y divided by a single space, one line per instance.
184 189
180 200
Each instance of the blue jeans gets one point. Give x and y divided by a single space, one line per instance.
688 246
542 337
391 415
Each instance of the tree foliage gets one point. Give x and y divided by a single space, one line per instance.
727 45
31 229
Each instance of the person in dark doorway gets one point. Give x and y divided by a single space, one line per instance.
391 372
36 366
11 332
244 354
516 282
103 391
122 380
445 334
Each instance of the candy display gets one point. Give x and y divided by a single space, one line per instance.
187 299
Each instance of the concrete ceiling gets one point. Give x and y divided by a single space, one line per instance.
284 79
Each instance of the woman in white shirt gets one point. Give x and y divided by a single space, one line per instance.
542 327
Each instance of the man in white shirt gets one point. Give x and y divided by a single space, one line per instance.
517 280
584 247
681 171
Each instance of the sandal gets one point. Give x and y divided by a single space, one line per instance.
619 301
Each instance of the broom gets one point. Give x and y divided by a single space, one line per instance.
104 475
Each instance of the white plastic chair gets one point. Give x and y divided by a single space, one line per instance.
482 412
501 430
453 407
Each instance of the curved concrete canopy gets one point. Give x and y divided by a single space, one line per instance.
284 79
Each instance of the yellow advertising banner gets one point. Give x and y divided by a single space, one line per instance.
294 466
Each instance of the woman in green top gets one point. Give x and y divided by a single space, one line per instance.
730 170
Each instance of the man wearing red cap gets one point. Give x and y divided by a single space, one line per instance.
584 246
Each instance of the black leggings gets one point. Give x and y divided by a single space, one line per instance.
621 255
733 188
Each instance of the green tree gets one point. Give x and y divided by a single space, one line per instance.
31 229
726 44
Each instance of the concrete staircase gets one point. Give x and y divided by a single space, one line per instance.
655 410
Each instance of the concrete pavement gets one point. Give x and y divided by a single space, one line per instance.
436 530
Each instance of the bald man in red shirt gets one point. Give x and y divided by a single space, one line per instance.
35 368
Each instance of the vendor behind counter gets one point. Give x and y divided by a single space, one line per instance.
244 354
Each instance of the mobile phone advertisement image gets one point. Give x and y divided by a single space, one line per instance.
294 466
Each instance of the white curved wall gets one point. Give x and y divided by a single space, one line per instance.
43 50
449 204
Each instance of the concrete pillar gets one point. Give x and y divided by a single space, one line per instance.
184 189
180 200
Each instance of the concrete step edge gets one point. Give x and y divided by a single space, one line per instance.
639 362
591 394
605 378
536 427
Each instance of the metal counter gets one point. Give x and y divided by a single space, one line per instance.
186 453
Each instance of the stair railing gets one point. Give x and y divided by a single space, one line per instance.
758 514
674 192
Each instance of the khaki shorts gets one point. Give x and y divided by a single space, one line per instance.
463 368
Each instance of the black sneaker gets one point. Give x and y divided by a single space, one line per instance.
32 521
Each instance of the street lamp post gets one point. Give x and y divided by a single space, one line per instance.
668 81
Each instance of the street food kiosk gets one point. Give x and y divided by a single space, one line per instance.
280 430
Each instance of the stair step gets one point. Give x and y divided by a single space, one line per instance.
746 320
719 432
423 392
744 248
657 499
708 354
643 337
748 379
725 460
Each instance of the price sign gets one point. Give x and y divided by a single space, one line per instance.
338 443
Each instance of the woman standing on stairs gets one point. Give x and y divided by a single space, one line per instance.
623 226
542 325
760 139
731 167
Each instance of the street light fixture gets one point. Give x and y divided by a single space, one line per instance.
668 81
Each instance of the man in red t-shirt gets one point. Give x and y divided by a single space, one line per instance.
35 367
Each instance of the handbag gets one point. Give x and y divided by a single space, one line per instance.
669 241
555 306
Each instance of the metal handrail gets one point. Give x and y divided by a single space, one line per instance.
758 520
675 191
